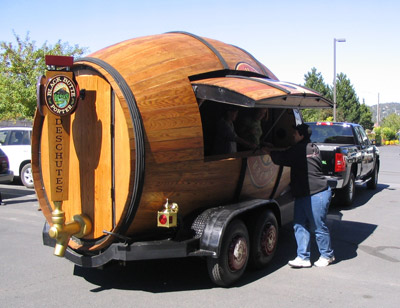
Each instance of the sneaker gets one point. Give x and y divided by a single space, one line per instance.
299 263
322 262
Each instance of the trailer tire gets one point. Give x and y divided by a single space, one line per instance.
231 263
264 239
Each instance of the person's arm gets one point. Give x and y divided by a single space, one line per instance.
245 143
281 156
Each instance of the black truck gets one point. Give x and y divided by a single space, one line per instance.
348 157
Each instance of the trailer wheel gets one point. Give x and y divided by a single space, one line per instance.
234 254
347 193
264 239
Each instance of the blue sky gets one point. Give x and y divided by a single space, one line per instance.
289 37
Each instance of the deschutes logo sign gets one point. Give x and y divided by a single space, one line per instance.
61 95
243 66
261 170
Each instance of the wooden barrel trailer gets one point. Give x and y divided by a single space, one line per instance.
123 162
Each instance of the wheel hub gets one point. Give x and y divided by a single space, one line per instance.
28 176
238 253
268 240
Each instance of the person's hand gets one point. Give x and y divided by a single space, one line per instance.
251 145
266 150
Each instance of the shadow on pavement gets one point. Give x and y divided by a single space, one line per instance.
347 236
174 275
12 193
362 196
156 276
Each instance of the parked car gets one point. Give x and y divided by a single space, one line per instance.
16 144
348 157
6 175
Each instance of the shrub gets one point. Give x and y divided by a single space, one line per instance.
388 133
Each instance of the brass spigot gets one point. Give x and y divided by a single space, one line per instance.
62 232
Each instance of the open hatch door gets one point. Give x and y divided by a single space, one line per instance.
256 92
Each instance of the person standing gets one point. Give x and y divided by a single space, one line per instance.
226 139
250 126
312 197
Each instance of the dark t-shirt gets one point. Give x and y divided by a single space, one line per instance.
225 140
306 168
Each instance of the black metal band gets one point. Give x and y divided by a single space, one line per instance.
278 180
242 176
139 140
211 47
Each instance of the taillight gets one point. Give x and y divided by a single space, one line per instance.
162 219
4 164
340 162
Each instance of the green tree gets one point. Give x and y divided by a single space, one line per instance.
365 117
347 101
315 81
21 64
348 106
392 121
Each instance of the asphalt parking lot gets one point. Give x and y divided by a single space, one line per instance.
366 272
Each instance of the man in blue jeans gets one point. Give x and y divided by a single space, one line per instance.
313 196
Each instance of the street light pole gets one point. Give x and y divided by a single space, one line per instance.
334 75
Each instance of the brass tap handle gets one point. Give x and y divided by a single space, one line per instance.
62 232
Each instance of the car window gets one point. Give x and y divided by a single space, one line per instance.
26 138
333 133
364 136
3 136
19 137
358 136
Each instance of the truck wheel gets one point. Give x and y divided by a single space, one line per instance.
373 182
347 192
264 239
234 254
26 176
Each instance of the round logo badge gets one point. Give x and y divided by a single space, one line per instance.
61 94
262 170
243 66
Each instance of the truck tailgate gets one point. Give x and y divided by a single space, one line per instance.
328 157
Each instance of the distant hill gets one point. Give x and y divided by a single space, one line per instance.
384 110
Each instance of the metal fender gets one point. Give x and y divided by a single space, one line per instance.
211 224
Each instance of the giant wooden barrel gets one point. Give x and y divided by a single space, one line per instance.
137 136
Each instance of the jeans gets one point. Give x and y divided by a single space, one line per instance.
310 215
